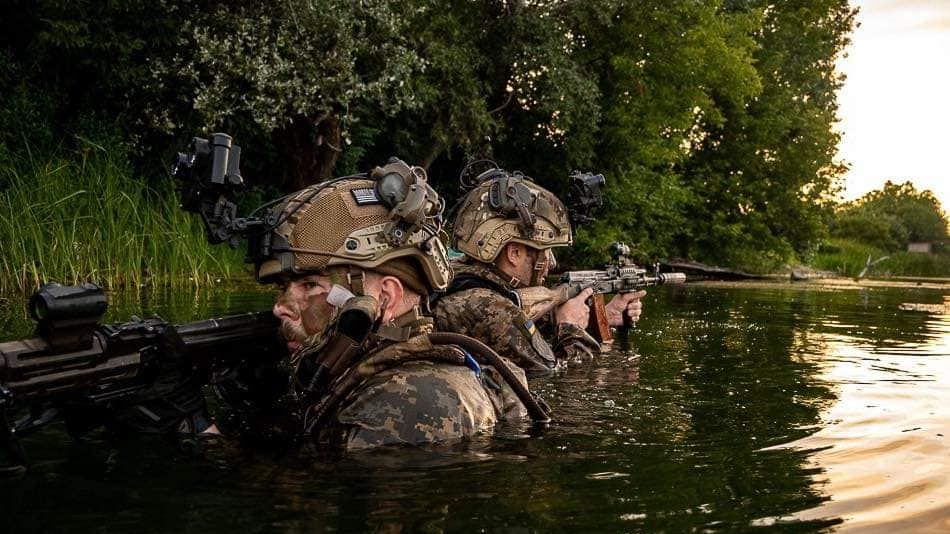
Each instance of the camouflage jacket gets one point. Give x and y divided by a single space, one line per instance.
493 317
414 392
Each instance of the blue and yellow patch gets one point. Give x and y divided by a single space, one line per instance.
529 327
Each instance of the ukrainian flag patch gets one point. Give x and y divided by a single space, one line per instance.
529 326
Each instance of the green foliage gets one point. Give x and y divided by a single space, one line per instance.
845 257
663 63
914 264
848 257
82 215
765 175
899 212
272 62
711 120
880 230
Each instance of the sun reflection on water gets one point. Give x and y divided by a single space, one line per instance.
883 455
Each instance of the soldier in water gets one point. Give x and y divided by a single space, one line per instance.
355 259
507 226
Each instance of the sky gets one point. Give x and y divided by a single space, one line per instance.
895 104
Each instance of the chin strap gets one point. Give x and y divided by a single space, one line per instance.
537 273
354 278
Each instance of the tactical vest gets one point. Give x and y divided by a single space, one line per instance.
357 363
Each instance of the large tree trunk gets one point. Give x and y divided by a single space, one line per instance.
310 147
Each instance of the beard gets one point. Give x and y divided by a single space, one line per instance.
299 342
292 332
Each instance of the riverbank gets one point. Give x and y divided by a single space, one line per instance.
849 257
832 284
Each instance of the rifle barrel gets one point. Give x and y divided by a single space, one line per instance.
199 335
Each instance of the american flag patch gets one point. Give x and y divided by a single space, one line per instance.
366 195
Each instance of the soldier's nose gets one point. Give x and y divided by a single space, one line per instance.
283 312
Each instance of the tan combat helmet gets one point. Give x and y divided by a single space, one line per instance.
389 222
509 208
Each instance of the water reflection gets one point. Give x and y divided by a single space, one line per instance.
883 454
730 408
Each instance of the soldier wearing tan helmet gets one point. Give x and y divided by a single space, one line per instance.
507 226
355 259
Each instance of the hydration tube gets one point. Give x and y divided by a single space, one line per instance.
490 357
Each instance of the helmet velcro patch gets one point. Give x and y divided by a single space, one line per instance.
365 196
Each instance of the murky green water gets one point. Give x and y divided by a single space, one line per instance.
728 409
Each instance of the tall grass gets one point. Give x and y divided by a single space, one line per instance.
848 257
85 216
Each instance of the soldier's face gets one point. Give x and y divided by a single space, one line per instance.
302 308
544 258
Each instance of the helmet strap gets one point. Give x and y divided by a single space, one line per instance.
354 278
538 272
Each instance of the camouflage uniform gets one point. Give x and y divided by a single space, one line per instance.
380 384
491 315
412 392
504 208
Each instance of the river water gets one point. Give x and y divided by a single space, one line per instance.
729 408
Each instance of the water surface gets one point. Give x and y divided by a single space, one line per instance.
781 408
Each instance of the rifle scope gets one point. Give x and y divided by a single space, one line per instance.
56 302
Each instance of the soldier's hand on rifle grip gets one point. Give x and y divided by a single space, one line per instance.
576 310
624 310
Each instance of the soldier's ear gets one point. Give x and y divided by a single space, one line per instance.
391 294
513 253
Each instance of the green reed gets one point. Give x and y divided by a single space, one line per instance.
85 216
848 257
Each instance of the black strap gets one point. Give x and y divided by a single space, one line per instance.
466 281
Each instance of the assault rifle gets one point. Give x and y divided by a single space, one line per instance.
145 373
619 276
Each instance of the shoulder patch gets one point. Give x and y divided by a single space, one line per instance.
529 326
365 196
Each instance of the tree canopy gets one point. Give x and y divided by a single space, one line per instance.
893 216
711 120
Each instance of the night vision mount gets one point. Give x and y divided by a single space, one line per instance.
209 181
584 196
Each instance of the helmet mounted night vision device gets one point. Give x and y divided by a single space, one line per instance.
379 220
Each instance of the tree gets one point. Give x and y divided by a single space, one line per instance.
764 175
667 68
892 216
711 120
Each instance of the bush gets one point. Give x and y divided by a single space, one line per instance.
878 230
891 217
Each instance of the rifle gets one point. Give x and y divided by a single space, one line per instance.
145 374
619 276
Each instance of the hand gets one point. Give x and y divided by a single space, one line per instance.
625 304
575 311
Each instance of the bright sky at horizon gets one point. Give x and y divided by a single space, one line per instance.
894 107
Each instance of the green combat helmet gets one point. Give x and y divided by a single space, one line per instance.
388 223
509 208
